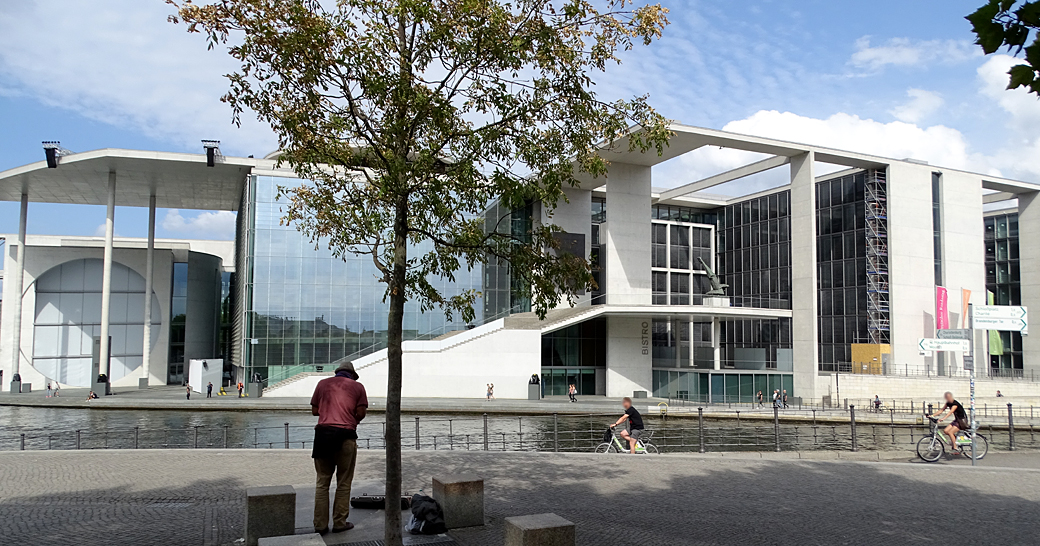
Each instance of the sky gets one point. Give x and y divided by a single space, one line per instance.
893 78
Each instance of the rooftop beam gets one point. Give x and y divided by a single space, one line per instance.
728 176
997 197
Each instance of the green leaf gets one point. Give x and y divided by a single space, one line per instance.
1021 75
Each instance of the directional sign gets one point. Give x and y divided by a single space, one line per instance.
953 334
929 345
1014 318
969 362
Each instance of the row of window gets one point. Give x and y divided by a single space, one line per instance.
767 207
777 230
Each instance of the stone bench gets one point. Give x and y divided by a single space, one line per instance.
461 498
270 512
539 530
313 539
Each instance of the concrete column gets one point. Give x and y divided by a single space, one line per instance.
573 216
19 276
626 246
803 274
106 279
716 342
1029 260
148 269
629 357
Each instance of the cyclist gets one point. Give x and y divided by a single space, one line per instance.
635 422
960 420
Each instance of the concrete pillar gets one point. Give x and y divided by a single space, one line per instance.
1029 260
629 358
626 245
106 279
148 270
19 276
573 216
716 342
803 275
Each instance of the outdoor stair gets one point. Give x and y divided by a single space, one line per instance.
294 379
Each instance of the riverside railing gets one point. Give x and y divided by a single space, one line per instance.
550 432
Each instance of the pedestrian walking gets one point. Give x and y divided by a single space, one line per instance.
760 398
491 391
188 391
209 390
776 398
240 388
785 398
48 389
571 392
57 387
340 402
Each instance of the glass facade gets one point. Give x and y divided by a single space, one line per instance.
1004 281
178 323
306 308
841 247
599 215
719 388
574 355
676 251
501 289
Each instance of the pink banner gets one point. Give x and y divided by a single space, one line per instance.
942 312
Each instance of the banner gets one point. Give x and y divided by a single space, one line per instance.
965 302
996 343
942 311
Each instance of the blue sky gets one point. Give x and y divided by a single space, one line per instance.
895 78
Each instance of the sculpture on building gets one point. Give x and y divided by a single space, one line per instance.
717 288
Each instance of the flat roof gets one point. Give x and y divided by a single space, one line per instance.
178 180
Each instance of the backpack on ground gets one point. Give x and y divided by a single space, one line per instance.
427 516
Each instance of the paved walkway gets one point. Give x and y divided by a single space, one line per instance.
196 497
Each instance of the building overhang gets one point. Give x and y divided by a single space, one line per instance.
691 312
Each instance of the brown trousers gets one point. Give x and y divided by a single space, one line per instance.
343 467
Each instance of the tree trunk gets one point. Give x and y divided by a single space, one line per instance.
395 326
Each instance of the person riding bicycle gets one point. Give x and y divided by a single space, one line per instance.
635 422
960 420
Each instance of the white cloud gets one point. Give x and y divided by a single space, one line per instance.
921 105
906 52
218 225
100 230
122 63
1022 148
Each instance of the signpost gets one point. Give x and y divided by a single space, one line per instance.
929 345
971 377
1008 318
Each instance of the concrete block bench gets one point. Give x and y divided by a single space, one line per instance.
539 530
313 539
462 499
270 512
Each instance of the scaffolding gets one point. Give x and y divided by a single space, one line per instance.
876 196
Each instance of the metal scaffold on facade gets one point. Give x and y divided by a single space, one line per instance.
877 256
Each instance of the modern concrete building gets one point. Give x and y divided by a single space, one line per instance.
840 260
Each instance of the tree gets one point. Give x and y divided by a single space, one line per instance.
411 116
1011 23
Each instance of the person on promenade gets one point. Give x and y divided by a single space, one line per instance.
92 396
340 402
785 398
187 390
760 398
571 392
776 398
209 390
877 403
635 423
48 389
57 387
240 388
999 395
960 420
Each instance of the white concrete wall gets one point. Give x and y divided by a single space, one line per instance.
461 369
804 331
629 359
626 236
573 216
901 388
1029 261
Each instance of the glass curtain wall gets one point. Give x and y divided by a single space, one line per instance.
719 388
574 355
841 247
1004 281
307 308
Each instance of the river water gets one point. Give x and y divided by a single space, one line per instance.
61 428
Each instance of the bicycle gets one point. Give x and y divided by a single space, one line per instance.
643 445
931 448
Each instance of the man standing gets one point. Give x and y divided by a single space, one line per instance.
340 403
635 422
187 391
209 390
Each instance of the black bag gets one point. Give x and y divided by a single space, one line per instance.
608 436
427 516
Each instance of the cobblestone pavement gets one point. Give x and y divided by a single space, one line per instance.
175 497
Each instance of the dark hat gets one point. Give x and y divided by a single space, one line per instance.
347 366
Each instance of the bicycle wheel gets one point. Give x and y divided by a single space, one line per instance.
981 447
651 448
606 447
930 449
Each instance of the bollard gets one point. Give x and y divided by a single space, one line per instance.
521 433
813 418
700 428
1011 428
417 433
225 436
77 439
929 412
846 403
451 436
197 437
852 423
892 416
485 433
137 431
255 438
738 419
776 428
556 433
286 435
23 441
